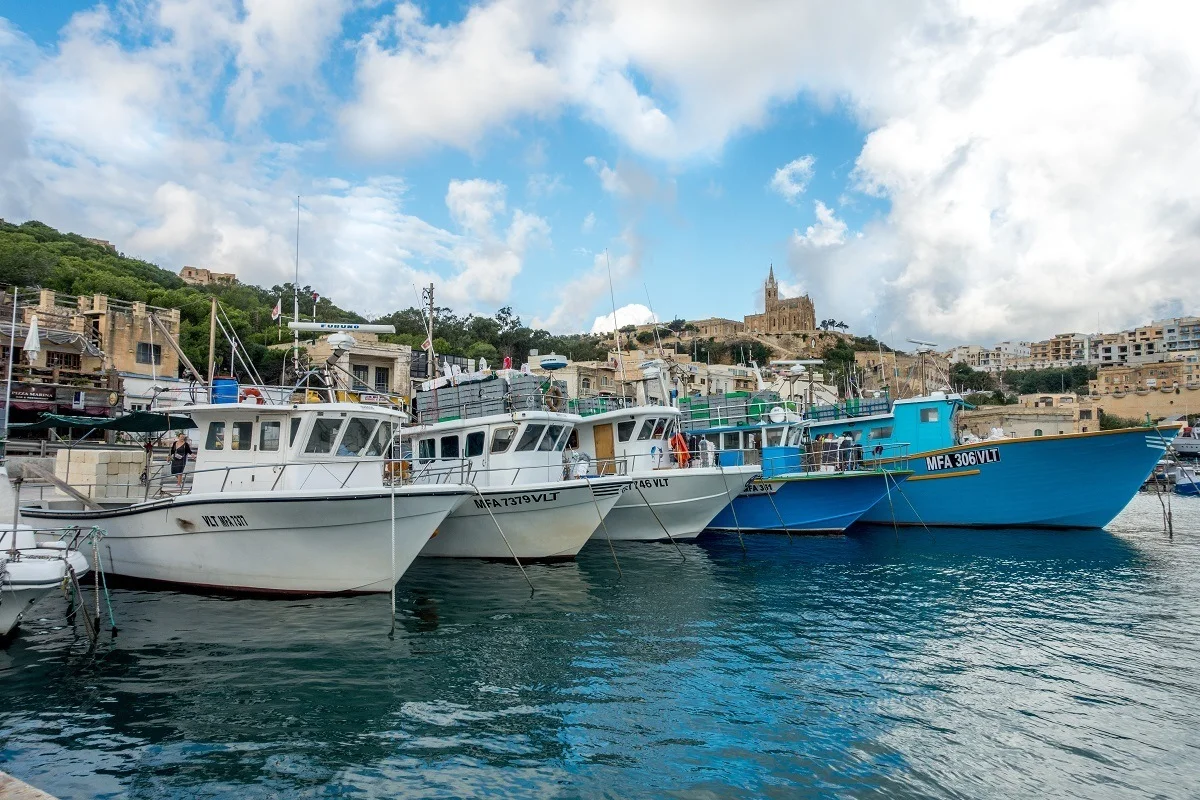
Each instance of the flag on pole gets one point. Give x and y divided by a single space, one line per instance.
316 297
425 345
277 311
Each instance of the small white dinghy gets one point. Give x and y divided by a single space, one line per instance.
29 571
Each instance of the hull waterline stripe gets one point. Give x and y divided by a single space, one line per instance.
965 473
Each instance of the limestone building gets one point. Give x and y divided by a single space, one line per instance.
782 315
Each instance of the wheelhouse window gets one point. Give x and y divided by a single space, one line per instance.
475 444
552 434
268 436
773 437
216 436
929 415
425 450
647 430
324 434
449 447
242 435
530 437
884 432
502 439
731 441
562 440
660 428
625 429
294 431
379 442
358 433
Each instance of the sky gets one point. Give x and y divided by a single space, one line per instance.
948 170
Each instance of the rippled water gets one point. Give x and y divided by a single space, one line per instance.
951 664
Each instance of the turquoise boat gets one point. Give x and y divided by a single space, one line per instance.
799 491
1074 480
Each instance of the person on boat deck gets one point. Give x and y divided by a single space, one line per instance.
844 447
181 451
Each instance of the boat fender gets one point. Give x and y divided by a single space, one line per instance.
251 392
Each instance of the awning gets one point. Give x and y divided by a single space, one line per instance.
136 422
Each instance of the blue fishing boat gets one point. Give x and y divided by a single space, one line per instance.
1074 480
801 490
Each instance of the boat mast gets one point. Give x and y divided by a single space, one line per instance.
12 350
427 294
296 299
212 346
616 333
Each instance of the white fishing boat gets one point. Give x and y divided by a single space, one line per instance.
29 571
500 434
292 499
1187 443
675 494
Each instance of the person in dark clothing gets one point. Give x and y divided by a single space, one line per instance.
181 451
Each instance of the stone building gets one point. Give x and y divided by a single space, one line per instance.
198 276
371 365
782 315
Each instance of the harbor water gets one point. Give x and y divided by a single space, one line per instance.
964 664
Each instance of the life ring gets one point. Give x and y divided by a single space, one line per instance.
251 392
679 449
554 398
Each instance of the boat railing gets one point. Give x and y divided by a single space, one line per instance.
742 409
509 403
891 457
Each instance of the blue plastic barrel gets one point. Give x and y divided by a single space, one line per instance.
225 390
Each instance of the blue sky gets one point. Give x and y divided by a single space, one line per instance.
972 181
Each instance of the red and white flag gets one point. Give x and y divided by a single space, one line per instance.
425 345
316 297
277 311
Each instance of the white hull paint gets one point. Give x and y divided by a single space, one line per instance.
270 542
683 501
36 573
551 520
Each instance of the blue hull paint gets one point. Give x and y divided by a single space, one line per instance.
1068 481
816 503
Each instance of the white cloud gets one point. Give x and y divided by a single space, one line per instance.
791 180
580 296
542 184
589 222
163 182
827 231
632 314
420 84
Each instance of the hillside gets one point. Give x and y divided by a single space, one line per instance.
33 255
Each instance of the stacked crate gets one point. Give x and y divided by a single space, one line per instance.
101 474
481 398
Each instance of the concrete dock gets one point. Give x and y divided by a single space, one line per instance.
14 789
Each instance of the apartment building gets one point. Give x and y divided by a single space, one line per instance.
1180 333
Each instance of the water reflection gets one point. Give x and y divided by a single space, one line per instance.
893 664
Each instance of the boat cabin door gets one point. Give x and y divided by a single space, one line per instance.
602 436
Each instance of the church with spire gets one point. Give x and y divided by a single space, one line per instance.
782 315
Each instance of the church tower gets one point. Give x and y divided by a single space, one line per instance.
771 290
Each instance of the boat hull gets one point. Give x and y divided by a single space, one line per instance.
37 573
1068 481
683 501
545 521
810 503
268 542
